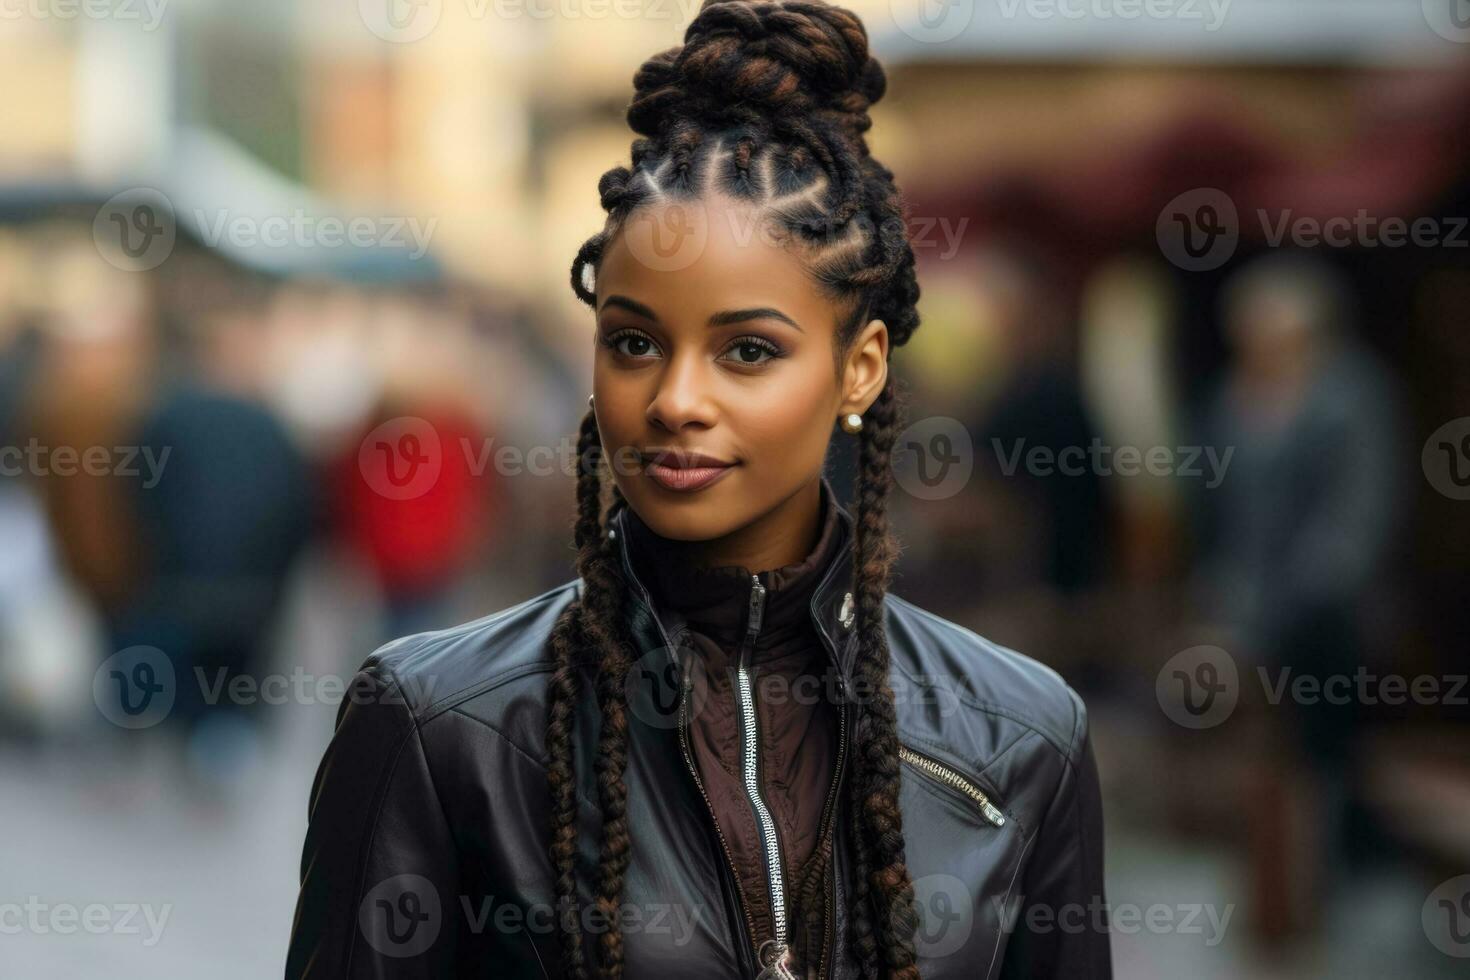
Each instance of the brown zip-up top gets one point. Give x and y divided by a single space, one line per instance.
796 716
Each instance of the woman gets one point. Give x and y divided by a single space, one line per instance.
725 750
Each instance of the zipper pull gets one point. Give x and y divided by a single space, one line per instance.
780 966
757 606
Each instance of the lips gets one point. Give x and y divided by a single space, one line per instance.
683 470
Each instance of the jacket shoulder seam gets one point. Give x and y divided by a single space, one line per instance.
483 684
451 702
518 750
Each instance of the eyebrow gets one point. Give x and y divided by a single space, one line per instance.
721 319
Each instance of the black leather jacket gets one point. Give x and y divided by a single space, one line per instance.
426 851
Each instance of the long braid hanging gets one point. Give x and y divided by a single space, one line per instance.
567 637
880 820
767 102
593 622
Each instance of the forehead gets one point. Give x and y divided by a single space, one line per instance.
691 258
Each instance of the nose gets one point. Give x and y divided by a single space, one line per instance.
683 395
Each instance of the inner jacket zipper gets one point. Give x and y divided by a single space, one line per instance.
776 964
941 773
694 772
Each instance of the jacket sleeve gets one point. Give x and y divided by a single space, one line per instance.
1062 928
379 869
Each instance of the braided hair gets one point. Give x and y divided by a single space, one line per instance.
766 101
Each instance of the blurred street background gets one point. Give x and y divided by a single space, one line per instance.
289 366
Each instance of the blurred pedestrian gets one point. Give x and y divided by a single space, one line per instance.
1295 536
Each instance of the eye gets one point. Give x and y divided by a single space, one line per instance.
638 344
749 350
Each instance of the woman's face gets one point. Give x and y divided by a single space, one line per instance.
712 339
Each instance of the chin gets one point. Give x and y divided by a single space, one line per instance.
700 516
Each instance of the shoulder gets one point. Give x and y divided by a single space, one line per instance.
978 697
438 671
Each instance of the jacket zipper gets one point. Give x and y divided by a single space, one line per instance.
699 783
776 964
939 772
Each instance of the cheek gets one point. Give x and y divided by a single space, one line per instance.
621 405
791 426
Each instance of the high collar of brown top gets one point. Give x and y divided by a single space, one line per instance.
715 601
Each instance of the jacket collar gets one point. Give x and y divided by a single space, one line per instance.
833 605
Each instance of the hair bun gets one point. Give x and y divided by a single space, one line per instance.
748 59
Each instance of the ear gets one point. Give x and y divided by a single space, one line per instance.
866 370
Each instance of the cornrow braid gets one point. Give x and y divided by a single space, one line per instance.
766 102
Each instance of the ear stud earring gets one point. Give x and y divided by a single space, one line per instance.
852 423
